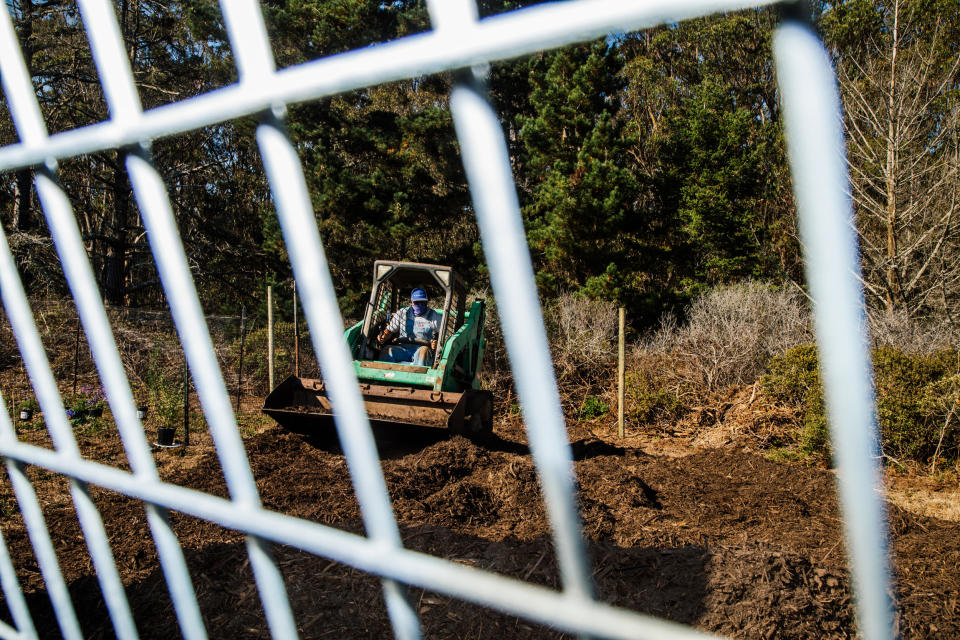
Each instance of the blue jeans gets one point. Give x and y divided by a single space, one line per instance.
406 354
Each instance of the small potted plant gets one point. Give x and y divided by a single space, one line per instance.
76 406
27 408
96 401
167 414
141 396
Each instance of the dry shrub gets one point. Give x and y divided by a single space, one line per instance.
583 337
911 335
38 263
728 337
583 343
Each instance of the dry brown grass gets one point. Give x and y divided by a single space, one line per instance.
931 496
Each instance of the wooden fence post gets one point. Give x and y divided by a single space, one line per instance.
270 337
186 402
296 334
620 371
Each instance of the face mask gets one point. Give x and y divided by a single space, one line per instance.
419 309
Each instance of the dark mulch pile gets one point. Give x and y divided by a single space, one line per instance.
723 540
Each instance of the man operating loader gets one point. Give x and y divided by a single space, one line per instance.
415 329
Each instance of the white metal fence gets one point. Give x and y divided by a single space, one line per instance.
458 41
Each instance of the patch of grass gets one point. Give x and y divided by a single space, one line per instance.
95 426
784 454
593 407
251 423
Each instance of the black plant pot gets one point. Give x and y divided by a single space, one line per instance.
165 436
26 415
141 412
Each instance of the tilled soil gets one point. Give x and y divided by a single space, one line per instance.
722 539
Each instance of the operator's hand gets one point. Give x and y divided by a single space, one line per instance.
433 344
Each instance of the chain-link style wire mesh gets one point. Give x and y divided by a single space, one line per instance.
461 42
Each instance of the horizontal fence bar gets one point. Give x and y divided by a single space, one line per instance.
536 603
501 37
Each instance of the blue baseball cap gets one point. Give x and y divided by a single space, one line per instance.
418 295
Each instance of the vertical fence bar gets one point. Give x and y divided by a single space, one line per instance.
120 91
815 145
194 334
93 315
319 305
498 216
65 234
487 165
31 128
288 187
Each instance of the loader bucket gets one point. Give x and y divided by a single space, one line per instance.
302 405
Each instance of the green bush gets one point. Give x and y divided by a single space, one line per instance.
29 404
791 376
593 407
918 401
164 388
909 415
940 405
794 378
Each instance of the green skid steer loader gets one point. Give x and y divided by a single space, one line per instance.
444 394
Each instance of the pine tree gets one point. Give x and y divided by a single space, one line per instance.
583 225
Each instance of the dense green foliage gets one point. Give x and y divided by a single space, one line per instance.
917 401
794 378
649 166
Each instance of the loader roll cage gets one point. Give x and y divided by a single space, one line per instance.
392 283
445 395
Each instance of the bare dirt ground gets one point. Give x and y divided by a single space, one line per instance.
693 525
